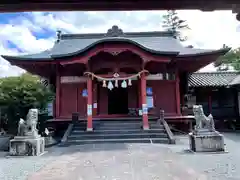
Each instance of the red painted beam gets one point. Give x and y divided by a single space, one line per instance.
122 75
116 50
97 5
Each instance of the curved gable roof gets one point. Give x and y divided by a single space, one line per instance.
161 43
72 47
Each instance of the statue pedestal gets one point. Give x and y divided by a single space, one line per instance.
27 146
206 141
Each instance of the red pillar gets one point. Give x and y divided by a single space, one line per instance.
89 104
57 100
95 89
178 94
144 102
139 94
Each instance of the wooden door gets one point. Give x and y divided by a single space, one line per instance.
68 100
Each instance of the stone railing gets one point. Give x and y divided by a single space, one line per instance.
171 137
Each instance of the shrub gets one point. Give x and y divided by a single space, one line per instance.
19 94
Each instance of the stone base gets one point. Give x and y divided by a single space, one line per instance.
206 142
49 141
89 129
146 128
27 146
4 142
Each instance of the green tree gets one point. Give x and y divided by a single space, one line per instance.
19 94
232 58
173 23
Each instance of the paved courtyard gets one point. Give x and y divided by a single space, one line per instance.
127 162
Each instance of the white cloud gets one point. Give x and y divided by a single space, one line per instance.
212 29
25 22
22 37
90 22
208 29
5 68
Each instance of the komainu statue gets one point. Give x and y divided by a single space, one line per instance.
202 121
22 127
204 138
27 142
28 127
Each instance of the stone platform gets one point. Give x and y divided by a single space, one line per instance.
27 146
206 142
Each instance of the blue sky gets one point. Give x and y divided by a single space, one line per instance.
31 32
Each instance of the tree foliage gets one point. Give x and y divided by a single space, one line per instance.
232 58
19 94
173 23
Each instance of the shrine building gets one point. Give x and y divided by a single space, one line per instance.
117 73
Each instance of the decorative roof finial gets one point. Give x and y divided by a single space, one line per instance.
59 33
115 31
225 46
190 46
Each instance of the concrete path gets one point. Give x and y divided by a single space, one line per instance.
127 162
118 162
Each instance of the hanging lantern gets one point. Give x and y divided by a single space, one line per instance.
104 83
124 84
129 82
110 85
116 83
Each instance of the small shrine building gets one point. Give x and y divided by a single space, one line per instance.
117 73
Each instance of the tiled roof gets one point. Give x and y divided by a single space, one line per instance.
236 81
154 42
213 79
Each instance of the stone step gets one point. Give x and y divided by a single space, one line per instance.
134 140
118 136
118 131
156 126
117 126
79 128
125 125
114 122
118 120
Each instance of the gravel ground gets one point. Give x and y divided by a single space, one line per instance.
127 162
18 168
216 166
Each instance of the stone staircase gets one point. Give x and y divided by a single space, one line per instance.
116 131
